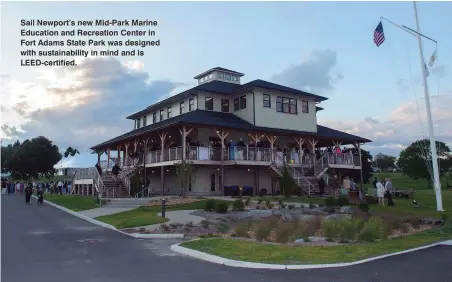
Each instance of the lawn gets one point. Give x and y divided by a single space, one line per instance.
401 181
144 216
73 202
282 254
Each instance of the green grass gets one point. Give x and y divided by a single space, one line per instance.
281 254
73 202
402 182
144 216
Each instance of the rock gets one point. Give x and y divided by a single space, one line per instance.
287 217
317 239
338 216
345 209
299 241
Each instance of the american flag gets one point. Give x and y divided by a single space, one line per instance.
379 35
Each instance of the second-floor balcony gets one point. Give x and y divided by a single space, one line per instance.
251 155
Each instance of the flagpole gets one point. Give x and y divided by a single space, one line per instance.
439 201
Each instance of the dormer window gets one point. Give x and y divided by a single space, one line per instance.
154 117
144 120
234 78
220 75
138 123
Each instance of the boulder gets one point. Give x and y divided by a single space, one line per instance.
345 209
299 241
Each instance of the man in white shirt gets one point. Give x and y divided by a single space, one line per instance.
60 188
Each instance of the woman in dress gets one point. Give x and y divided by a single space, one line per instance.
380 193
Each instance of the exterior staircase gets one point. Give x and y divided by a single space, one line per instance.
112 188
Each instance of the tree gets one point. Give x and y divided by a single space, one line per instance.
186 173
31 159
70 152
287 183
366 160
384 162
416 160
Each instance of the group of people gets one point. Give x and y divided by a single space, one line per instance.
22 188
384 190
11 187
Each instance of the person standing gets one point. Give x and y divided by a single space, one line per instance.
322 185
60 188
115 171
28 192
335 186
380 193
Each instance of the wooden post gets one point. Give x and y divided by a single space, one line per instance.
126 153
313 143
135 145
162 158
300 142
222 135
98 157
108 159
358 146
272 139
119 154
184 133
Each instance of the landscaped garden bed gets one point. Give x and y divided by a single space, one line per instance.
175 201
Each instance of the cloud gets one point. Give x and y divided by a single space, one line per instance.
79 106
404 125
314 74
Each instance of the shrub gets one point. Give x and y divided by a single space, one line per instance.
280 202
309 227
222 228
205 223
311 206
291 206
373 229
242 229
404 227
285 232
392 224
259 200
267 201
210 205
364 207
258 207
263 229
283 206
189 224
330 201
269 205
287 183
342 201
222 207
331 229
247 201
238 205
348 230
165 227
445 218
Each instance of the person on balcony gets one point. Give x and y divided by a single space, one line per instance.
115 171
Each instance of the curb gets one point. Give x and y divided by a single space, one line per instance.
245 264
109 226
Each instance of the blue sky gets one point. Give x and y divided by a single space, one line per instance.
267 40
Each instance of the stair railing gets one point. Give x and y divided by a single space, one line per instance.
294 173
140 195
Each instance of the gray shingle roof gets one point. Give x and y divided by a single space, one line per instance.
227 120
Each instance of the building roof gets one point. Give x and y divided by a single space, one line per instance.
227 120
225 88
219 69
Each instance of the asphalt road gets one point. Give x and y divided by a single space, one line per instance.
44 244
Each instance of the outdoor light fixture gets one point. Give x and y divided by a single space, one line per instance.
167 170
218 169
248 169
152 171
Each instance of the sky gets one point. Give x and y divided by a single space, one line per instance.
325 48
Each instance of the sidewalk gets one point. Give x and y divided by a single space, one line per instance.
182 217
104 211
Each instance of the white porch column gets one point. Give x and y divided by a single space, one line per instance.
300 142
108 159
313 142
272 139
184 133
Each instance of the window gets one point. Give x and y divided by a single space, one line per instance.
154 117
212 182
209 104
236 104
138 123
305 106
210 76
235 78
227 76
220 75
191 104
267 101
181 107
145 120
169 112
243 102
225 105
240 103
161 114
286 105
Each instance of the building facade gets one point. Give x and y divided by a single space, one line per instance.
233 135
